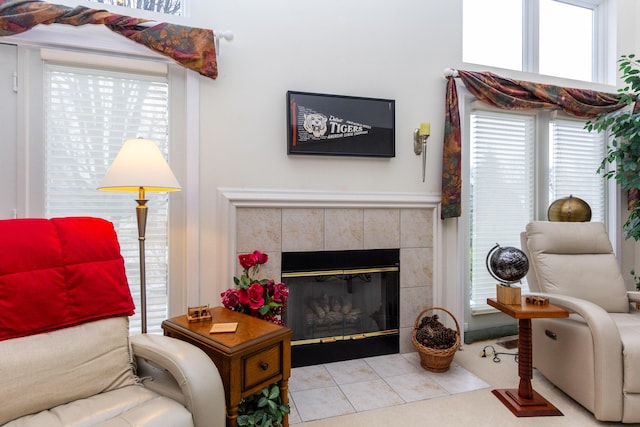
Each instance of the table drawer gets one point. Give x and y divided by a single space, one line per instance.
261 366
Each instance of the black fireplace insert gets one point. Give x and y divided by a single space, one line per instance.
342 304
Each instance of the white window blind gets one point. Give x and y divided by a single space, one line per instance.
88 114
574 158
502 160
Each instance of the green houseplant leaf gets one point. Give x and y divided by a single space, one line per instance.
624 149
263 409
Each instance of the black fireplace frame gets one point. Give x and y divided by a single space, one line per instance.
346 349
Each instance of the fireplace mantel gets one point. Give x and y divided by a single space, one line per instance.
405 205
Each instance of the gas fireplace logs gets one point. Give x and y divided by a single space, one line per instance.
331 310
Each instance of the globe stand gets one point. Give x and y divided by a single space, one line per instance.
510 295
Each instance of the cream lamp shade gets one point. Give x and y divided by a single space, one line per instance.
139 164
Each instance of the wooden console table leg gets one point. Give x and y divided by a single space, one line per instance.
525 402
284 398
232 416
525 359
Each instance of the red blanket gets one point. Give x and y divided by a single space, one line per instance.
60 272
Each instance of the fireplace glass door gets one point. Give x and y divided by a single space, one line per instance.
342 304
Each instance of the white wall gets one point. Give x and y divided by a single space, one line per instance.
382 49
379 49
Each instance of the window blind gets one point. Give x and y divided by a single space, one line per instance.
88 114
502 160
574 158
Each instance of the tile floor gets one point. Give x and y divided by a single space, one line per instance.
340 388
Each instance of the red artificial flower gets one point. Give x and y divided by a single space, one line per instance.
252 296
247 260
230 298
262 258
280 292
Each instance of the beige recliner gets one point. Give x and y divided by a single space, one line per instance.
594 355
66 357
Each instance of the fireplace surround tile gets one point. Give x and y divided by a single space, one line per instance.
323 227
416 229
412 302
344 229
416 270
381 228
302 230
259 228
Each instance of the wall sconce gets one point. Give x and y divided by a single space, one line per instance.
420 137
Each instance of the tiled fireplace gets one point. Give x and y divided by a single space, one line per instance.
284 221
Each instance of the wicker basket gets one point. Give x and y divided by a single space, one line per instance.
432 359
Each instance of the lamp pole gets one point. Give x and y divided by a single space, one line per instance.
141 215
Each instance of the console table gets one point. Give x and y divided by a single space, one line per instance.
524 401
255 356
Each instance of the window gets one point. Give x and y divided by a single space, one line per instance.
170 7
74 111
515 171
532 36
88 114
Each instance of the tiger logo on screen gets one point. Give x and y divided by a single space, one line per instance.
315 124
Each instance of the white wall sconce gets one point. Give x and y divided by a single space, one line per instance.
420 137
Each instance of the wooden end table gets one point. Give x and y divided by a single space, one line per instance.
253 357
524 401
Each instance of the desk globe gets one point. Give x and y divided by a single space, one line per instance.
507 265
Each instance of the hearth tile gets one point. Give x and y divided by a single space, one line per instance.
351 371
412 387
294 416
310 377
458 380
321 403
367 395
392 365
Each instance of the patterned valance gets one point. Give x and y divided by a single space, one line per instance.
507 94
193 48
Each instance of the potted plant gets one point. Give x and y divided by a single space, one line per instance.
262 409
624 149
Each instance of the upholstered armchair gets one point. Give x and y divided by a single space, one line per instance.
66 357
594 355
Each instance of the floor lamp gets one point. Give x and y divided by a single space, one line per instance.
140 167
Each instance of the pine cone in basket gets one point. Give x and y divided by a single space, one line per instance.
433 334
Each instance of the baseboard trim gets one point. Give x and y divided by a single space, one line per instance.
489 333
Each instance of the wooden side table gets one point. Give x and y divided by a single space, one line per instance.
524 401
253 357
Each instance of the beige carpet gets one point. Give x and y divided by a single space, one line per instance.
477 408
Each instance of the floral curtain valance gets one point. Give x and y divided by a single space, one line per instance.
193 48
507 94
